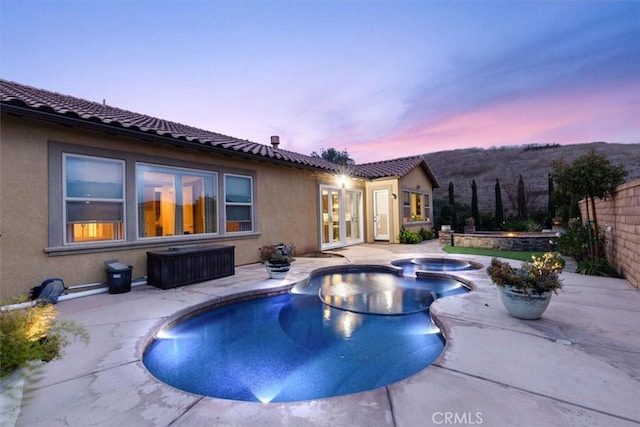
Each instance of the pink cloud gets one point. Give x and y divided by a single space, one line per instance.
609 115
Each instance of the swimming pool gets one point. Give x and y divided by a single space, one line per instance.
293 346
410 266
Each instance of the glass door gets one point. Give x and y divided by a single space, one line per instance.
353 213
330 205
341 212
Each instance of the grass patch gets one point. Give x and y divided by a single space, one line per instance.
519 255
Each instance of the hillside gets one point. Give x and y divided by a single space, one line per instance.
508 163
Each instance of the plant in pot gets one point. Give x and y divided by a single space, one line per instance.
469 225
526 291
277 259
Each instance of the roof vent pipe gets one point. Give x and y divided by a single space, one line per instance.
275 141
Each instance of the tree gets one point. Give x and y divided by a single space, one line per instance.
452 202
475 212
334 156
499 208
446 214
522 200
590 176
551 207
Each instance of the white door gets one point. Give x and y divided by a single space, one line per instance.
381 215
330 217
340 213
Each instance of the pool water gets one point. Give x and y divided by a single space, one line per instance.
410 266
292 347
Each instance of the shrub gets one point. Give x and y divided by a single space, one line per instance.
31 333
426 234
574 241
446 215
409 237
596 267
535 277
279 253
488 221
522 225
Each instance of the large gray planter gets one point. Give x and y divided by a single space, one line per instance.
277 270
521 305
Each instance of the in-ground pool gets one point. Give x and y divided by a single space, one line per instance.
410 266
342 332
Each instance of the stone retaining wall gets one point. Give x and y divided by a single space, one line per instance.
538 242
619 218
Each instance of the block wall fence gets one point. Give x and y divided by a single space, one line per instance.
619 218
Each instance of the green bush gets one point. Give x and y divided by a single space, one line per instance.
596 267
574 241
409 237
522 225
426 234
31 332
446 215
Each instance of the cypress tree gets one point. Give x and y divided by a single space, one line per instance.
452 202
475 212
551 207
499 208
522 201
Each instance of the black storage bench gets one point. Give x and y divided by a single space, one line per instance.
184 266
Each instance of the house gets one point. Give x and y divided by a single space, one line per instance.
84 182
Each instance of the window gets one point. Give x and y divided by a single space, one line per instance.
415 207
238 197
93 193
173 201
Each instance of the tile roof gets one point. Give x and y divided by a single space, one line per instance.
27 100
395 168
67 107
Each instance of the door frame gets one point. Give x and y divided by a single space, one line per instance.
376 215
341 221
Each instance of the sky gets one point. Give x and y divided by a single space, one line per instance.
381 79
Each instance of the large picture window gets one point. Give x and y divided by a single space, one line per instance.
415 207
238 197
173 201
94 202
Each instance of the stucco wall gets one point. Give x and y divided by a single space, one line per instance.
391 185
284 207
416 180
619 218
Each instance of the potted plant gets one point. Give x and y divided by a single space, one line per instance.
469 225
277 259
526 291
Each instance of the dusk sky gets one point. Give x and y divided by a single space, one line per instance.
382 79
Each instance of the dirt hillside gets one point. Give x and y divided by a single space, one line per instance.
533 162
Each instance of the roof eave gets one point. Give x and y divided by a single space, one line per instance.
147 136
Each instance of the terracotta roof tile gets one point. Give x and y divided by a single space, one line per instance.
395 168
21 97
27 97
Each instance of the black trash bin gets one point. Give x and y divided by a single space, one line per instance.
118 276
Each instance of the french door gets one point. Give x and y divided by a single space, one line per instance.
340 216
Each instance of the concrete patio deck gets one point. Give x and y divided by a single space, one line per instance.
577 366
